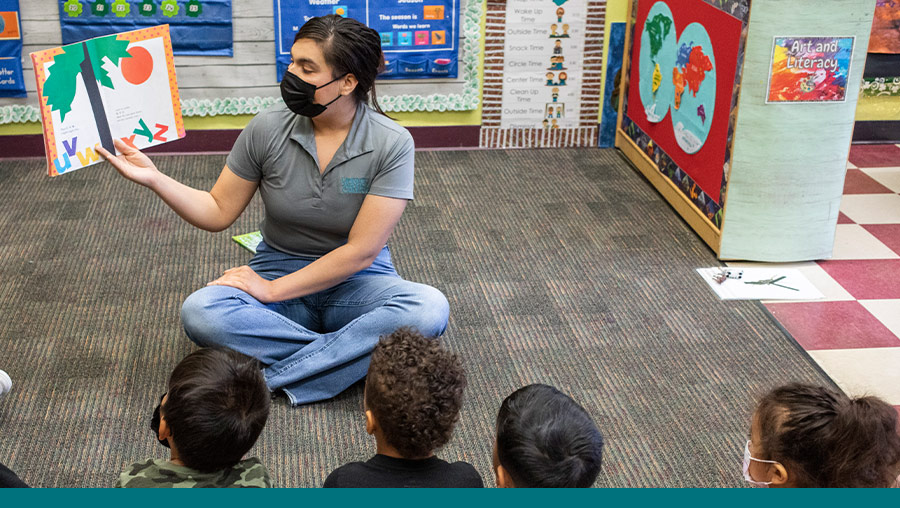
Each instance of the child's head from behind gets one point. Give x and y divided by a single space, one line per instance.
811 436
414 390
545 439
215 409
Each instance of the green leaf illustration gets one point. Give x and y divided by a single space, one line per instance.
106 47
59 89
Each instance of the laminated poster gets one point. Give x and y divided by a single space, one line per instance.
198 27
543 64
419 38
118 86
12 83
810 69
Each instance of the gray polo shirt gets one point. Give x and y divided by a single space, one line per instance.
308 213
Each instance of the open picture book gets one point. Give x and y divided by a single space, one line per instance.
119 86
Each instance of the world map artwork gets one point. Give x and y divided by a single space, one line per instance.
681 66
658 28
657 60
695 88
677 76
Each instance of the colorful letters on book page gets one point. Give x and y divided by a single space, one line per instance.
119 86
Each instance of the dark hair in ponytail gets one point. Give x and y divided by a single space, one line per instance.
825 439
349 47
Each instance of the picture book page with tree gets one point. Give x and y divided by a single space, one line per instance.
119 86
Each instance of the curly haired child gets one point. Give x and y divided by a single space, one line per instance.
414 390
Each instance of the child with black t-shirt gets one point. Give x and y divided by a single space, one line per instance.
414 390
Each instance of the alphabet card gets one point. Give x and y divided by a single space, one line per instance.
119 86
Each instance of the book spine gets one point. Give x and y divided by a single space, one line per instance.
93 91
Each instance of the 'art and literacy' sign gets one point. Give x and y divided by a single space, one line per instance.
810 69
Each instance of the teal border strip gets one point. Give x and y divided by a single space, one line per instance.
19 114
439 498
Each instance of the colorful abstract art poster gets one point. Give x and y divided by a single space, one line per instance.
119 86
12 83
684 61
810 69
197 27
885 36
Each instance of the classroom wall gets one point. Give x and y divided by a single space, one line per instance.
884 108
616 12
254 56
249 74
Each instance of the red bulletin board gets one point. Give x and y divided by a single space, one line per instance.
706 166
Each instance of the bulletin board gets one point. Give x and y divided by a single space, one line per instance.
12 83
198 27
419 38
715 96
683 62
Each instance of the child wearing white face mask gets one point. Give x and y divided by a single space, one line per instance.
811 436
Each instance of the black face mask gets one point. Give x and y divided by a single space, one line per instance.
299 96
154 423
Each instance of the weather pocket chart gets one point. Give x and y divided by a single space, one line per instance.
198 27
119 86
419 38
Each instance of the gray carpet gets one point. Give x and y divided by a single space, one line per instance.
561 266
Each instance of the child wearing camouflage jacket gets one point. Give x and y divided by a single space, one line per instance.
214 411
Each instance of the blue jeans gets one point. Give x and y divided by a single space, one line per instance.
315 346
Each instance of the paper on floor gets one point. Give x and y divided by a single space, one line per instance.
794 286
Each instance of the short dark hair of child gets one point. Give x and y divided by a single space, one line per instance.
217 406
545 439
414 389
826 439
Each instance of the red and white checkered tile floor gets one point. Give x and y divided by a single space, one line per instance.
854 333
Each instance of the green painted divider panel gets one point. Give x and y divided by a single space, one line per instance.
790 156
